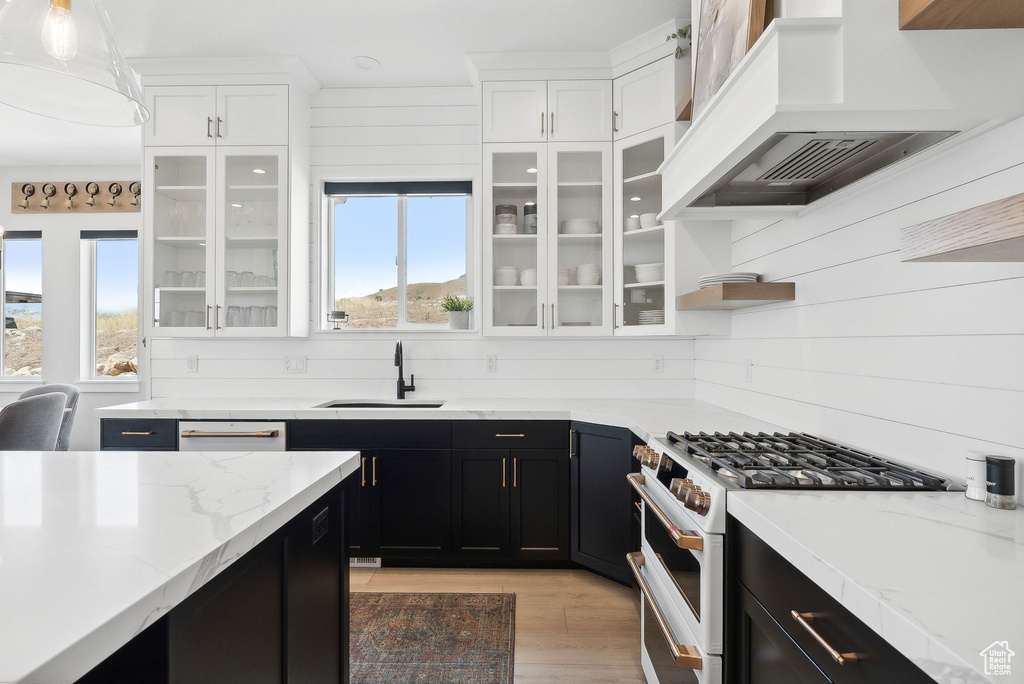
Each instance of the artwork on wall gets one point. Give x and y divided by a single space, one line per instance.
727 30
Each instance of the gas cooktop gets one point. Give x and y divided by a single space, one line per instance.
799 461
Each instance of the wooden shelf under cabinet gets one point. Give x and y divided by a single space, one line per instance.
989 233
736 296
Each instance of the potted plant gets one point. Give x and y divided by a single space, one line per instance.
458 309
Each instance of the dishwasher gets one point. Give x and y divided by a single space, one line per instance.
215 435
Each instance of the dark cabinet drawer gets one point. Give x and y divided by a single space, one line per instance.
510 434
333 435
781 589
146 434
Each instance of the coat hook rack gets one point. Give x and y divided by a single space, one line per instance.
102 196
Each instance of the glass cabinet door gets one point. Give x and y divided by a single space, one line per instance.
181 222
252 220
580 267
515 228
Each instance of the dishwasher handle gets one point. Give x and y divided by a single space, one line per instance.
260 434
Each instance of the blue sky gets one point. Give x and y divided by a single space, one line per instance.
366 242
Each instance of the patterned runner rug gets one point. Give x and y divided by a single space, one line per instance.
432 638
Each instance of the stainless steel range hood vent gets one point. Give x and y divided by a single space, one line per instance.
799 168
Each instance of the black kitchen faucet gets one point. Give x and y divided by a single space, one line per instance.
402 387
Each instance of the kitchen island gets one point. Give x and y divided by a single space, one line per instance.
129 560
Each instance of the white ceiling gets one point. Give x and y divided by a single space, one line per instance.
416 41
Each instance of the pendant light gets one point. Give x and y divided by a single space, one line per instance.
58 58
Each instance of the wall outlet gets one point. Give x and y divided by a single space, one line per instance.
748 366
295 364
492 363
192 364
658 363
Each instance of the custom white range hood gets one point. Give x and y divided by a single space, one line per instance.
822 105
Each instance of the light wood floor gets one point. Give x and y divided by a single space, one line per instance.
571 625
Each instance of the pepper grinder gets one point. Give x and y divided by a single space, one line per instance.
1000 482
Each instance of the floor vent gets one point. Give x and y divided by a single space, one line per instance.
364 562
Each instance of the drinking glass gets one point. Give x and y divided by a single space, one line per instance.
249 213
200 278
231 278
235 317
265 281
246 279
175 319
255 318
236 214
193 319
270 217
271 317
188 279
172 279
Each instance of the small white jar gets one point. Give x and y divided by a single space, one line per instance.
975 475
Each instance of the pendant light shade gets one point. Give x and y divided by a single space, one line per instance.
58 58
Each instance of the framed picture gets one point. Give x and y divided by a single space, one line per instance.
727 30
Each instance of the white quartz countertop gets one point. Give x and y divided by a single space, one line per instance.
647 418
938 576
94 547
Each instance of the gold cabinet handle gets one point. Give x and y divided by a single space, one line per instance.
638 506
572 452
615 122
543 320
508 434
219 122
684 540
542 123
804 619
374 465
615 316
208 307
684 656
261 434
552 123
136 434
209 123
514 470
216 317
503 471
552 310
364 471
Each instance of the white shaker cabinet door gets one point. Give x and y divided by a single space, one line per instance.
645 98
252 115
579 111
181 116
515 111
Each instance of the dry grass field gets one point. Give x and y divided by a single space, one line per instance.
380 310
116 344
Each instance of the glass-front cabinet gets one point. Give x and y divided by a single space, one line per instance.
218 221
547 241
644 246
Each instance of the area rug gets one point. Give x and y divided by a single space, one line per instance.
432 638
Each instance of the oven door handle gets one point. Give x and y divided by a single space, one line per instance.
684 656
684 540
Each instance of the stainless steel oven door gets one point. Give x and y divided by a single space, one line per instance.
668 654
690 563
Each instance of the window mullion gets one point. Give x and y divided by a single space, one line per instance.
402 260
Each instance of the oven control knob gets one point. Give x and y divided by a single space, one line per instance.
680 487
697 501
638 452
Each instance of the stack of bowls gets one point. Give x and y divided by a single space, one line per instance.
506 275
528 277
580 227
505 219
649 220
588 274
565 276
650 273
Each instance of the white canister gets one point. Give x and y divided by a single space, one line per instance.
975 475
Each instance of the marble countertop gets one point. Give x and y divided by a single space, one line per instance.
94 547
938 576
647 418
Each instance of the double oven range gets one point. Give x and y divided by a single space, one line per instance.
682 484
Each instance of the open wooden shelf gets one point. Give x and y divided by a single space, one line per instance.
736 296
989 233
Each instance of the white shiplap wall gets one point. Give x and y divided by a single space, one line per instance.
921 362
414 133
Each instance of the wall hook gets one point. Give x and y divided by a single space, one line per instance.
49 190
115 192
93 189
136 190
70 190
27 190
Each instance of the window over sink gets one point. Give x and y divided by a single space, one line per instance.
394 251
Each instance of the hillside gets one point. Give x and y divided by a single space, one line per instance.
380 309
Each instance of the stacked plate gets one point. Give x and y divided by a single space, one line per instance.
506 275
566 276
579 227
718 278
504 229
588 274
652 317
650 273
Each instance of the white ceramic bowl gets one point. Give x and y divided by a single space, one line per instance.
504 229
588 280
579 227
649 220
528 277
633 223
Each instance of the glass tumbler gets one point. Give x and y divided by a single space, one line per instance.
200 278
235 317
271 317
265 281
255 316
246 279
172 279
188 279
175 319
231 278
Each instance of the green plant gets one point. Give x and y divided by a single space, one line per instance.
683 33
451 303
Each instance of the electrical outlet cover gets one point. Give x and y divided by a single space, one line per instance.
658 363
192 364
492 363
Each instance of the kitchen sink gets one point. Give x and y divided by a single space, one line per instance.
356 404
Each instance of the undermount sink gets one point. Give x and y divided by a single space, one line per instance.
356 404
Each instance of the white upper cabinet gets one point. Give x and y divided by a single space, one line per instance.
515 111
645 98
181 116
252 115
198 116
579 111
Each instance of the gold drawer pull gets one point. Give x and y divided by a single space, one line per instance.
364 471
684 656
136 434
804 619
502 434
684 540
263 434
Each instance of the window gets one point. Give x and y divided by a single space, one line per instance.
110 304
395 251
23 303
